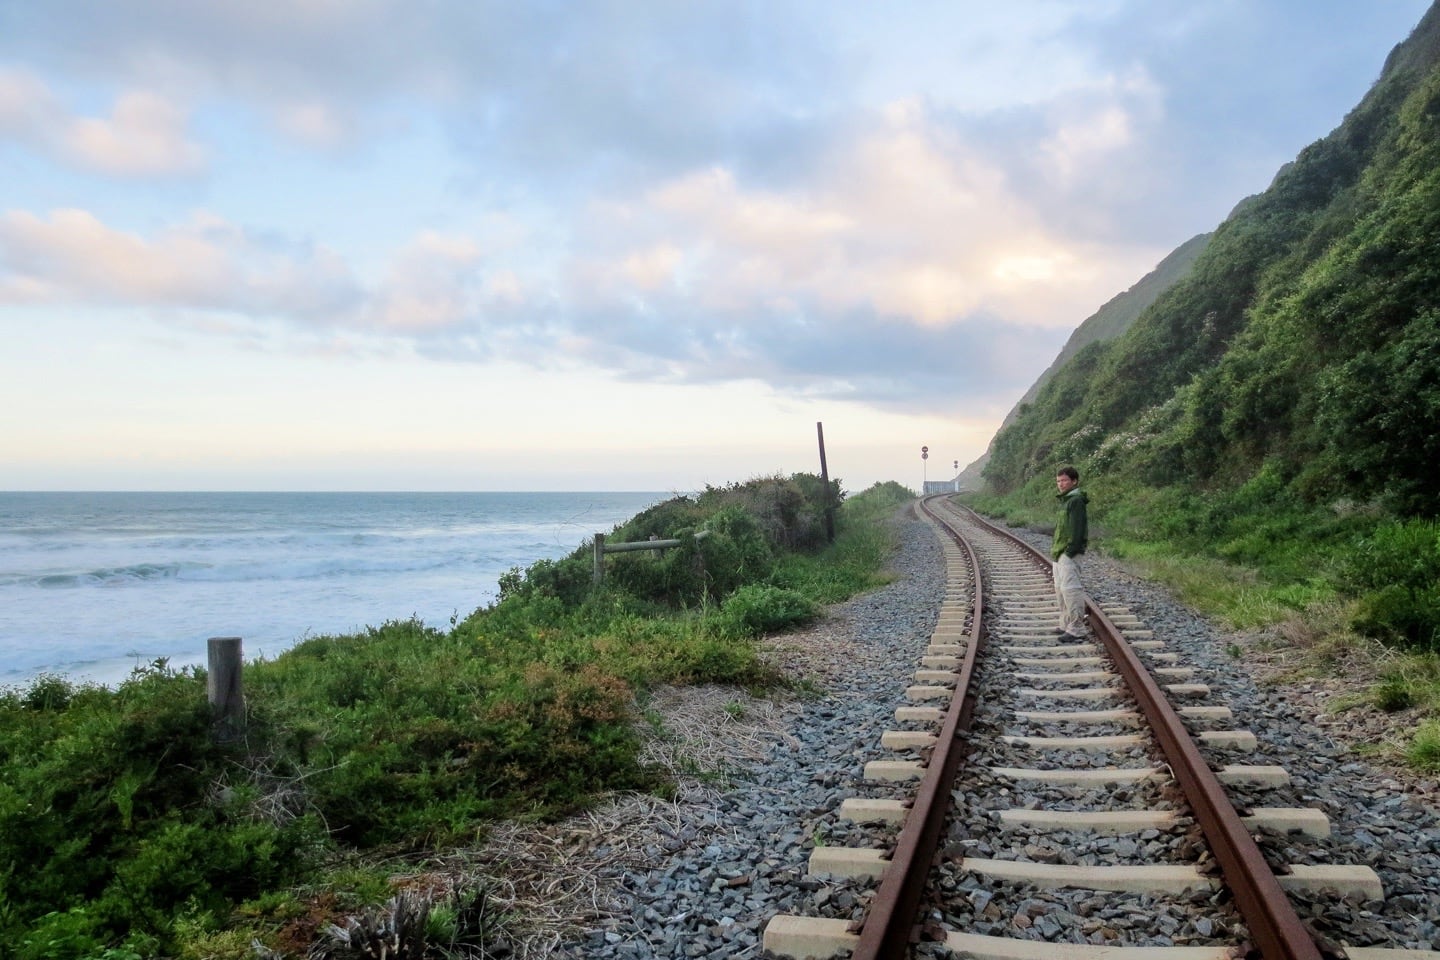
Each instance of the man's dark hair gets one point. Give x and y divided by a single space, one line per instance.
1070 472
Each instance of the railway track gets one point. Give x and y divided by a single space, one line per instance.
1019 767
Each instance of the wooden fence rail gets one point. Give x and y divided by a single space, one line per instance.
602 548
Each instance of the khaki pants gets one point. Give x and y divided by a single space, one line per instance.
1070 593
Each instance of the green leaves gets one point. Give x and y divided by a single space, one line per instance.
104 799
1396 574
758 609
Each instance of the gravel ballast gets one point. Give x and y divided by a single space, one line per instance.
732 851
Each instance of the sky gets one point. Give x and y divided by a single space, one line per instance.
476 245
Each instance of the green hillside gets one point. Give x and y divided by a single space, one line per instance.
1121 311
1305 336
1110 321
1279 406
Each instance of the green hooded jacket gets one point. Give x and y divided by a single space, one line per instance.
1072 533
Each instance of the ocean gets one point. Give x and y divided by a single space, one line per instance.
94 584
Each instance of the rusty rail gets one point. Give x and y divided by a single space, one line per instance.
1275 928
889 923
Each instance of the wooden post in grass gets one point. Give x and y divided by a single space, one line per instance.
825 482
599 559
222 685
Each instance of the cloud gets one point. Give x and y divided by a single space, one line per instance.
144 136
626 90
433 284
204 263
316 124
838 199
909 222
25 104
911 247
1097 132
631 87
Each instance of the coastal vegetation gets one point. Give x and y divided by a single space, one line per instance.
128 831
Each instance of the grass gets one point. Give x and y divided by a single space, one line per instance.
1424 752
1239 596
1411 682
1236 594
1313 626
853 564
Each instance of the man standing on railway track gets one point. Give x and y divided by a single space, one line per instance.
1071 536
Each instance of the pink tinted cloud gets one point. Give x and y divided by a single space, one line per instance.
435 282
907 220
144 135
71 256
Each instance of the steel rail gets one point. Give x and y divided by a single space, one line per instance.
1275 928
889 923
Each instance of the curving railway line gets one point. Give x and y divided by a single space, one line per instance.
1021 764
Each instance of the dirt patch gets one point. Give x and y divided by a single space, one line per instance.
814 655
555 881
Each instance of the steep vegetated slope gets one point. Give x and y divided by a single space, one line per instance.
1305 336
1279 404
1110 321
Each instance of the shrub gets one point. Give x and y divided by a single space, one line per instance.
106 798
735 553
663 520
1394 693
567 579
48 692
1396 570
887 493
1402 616
1398 553
447 730
789 511
400 736
757 609
74 934
672 578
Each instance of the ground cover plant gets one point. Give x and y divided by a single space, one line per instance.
1352 585
128 831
